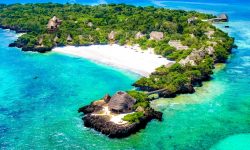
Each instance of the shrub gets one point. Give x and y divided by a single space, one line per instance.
134 117
141 99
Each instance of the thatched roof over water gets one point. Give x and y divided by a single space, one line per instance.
121 102
220 18
223 16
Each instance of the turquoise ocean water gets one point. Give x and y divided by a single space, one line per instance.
40 95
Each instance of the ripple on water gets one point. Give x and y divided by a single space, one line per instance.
234 142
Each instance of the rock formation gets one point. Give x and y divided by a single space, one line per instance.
111 129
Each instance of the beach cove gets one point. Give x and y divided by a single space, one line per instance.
219 116
142 62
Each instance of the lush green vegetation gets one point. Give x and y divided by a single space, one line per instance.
176 77
123 19
126 21
134 117
141 98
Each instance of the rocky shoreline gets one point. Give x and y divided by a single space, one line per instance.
32 49
186 89
195 82
14 28
22 44
105 126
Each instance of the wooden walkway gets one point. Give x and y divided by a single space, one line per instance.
156 91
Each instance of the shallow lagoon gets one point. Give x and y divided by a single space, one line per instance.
41 113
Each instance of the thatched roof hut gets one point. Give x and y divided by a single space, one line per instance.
90 24
69 38
210 34
40 41
154 35
140 109
121 102
178 45
56 20
111 35
139 35
223 17
191 20
91 38
53 23
55 39
80 37
220 18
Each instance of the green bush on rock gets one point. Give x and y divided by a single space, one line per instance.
134 117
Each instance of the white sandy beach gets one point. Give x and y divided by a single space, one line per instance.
124 57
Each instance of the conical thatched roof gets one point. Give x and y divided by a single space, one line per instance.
53 23
54 18
69 38
90 24
154 35
56 39
139 35
192 20
140 109
80 37
223 16
91 38
121 102
40 41
111 35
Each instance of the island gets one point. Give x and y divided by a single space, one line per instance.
187 39
120 115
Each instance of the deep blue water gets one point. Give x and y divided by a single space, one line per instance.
40 95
